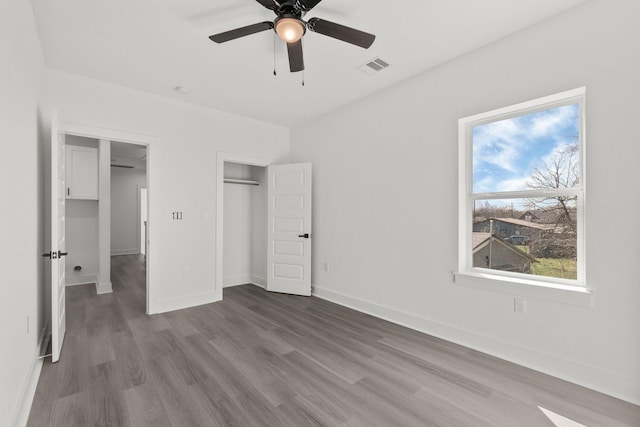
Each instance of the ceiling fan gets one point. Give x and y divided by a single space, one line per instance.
290 27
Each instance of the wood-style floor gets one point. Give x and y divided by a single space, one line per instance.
261 359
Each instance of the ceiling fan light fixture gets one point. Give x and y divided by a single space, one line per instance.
290 29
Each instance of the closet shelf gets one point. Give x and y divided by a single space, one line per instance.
241 181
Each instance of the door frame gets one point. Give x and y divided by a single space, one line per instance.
221 158
143 211
98 133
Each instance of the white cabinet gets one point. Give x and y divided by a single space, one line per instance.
81 172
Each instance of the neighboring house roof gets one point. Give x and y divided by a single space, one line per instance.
528 214
480 240
524 223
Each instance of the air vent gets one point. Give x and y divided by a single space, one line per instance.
122 166
373 66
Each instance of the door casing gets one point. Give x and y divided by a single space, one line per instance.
219 238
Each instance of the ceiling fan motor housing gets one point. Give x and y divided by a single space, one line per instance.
290 28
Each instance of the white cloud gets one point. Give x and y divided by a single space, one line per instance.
484 185
549 123
513 184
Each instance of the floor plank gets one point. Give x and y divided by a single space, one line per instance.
263 359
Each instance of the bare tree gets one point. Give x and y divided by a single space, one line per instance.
562 170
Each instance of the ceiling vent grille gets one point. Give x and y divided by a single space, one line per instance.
374 65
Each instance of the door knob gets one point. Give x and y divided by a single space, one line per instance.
305 235
61 254
47 255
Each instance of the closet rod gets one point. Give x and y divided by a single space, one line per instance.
241 181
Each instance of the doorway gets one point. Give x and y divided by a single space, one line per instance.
246 185
88 176
286 259
245 224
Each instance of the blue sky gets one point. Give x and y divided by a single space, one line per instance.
505 152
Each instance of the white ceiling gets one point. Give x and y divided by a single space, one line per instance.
157 45
123 154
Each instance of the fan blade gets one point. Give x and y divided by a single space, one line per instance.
241 32
307 5
340 32
296 59
269 4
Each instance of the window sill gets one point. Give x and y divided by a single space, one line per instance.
574 295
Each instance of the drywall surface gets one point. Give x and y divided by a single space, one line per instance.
21 216
183 144
237 235
259 227
125 209
81 240
386 210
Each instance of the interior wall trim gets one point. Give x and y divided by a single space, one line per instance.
172 304
28 389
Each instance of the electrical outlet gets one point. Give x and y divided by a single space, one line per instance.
519 305
326 266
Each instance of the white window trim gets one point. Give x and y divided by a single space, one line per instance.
563 290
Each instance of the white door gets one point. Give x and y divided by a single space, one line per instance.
289 229
58 311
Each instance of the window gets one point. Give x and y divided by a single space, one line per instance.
522 192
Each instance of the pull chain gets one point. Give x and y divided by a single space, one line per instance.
303 68
274 54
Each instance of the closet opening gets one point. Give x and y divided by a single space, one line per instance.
244 225
250 194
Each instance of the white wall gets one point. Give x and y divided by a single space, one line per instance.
259 227
182 173
21 211
81 241
385 198
237 235
81 229
125 205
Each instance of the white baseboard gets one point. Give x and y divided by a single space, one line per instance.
247 283
241 279
80 279
28 389
171 304
244 279
104 287
609 383
259 281
116 252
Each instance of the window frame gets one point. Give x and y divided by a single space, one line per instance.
467 273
